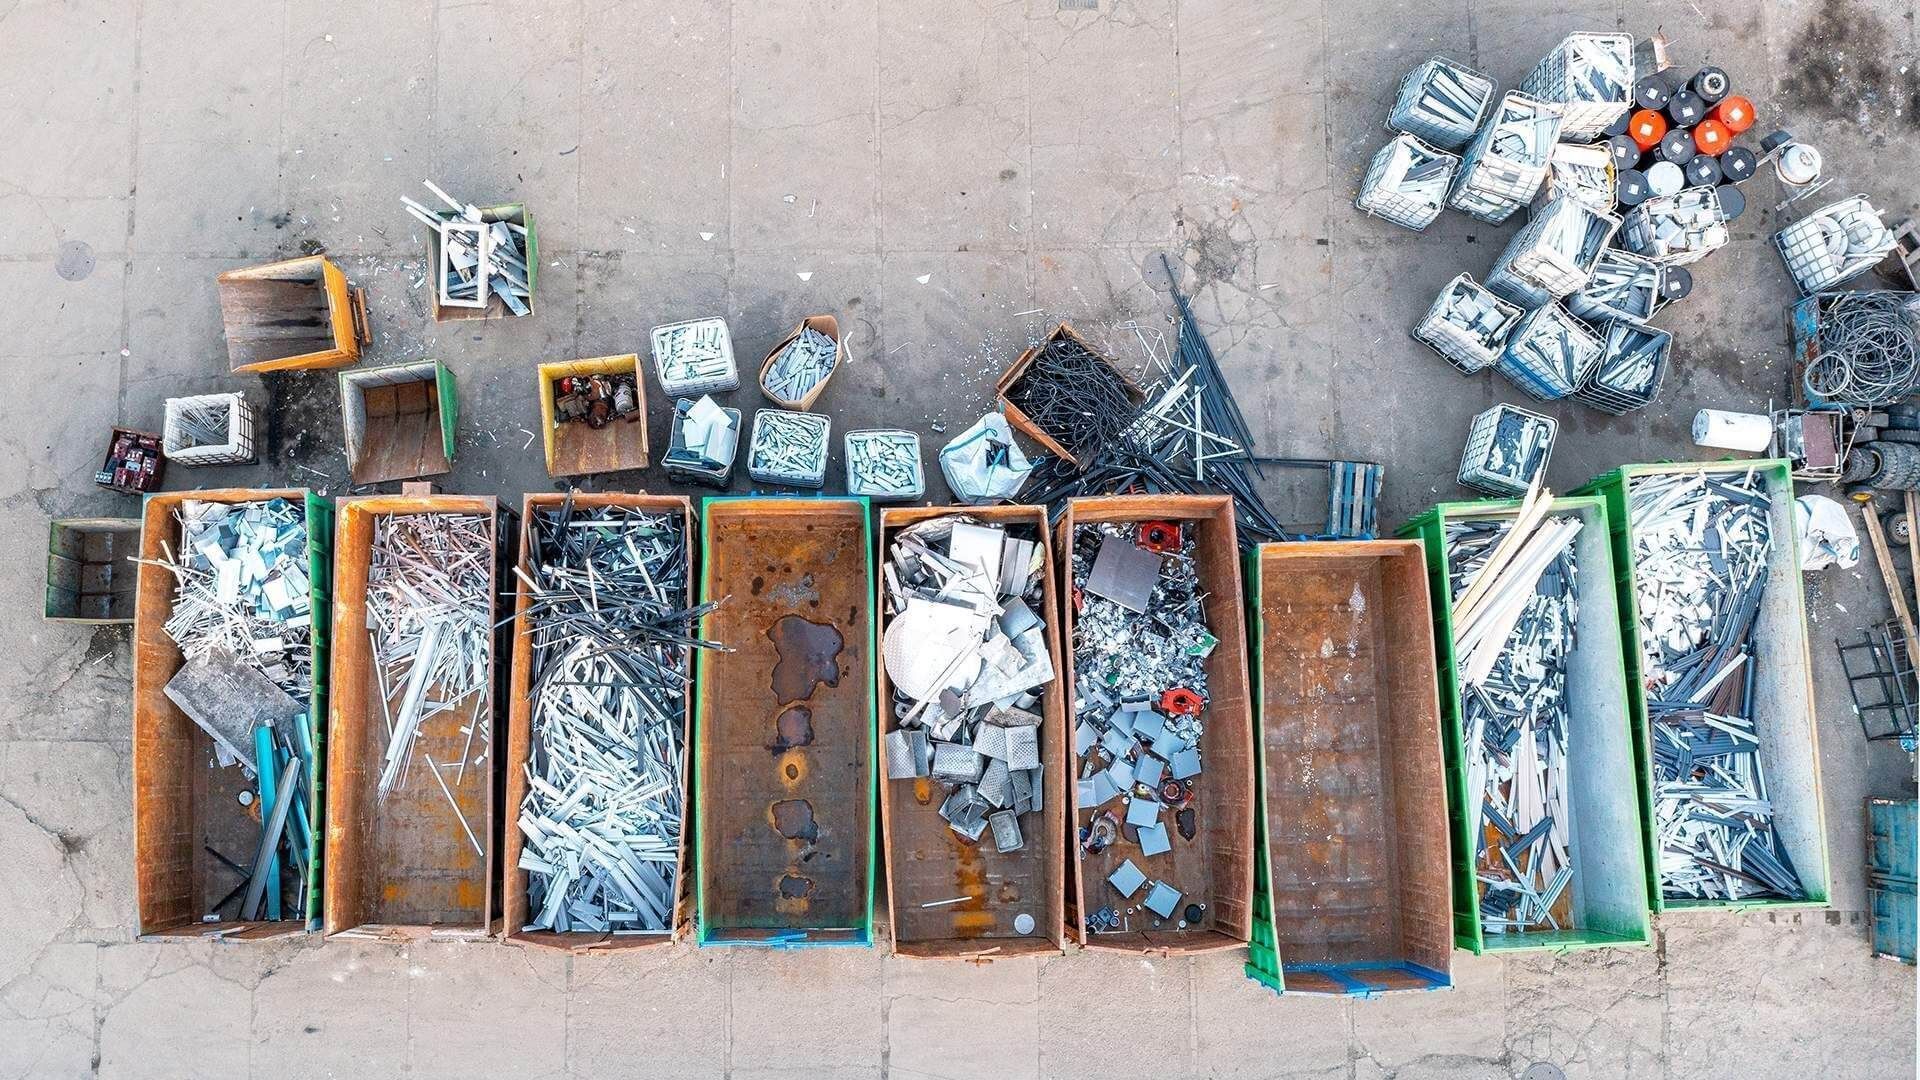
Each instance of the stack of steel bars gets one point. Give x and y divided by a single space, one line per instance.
1700 545
612 632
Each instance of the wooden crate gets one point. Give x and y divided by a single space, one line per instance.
300 313
403 866
1218 864
513 888
513 213
576 449
926 860
785 826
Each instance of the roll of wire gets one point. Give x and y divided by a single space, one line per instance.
1869 353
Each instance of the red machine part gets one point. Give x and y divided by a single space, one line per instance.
1181 701
1160 536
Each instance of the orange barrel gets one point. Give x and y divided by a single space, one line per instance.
1711 137
1735 112
1646 127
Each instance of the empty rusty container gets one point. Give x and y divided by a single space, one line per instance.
300 313
1353 884
784 764
927 862
1216 866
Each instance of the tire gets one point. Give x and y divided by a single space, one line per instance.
1901 435
1903 414
1899 467
1861 463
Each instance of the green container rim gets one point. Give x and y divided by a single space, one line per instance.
1612 486
1428 528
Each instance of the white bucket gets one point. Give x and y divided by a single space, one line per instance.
1732 430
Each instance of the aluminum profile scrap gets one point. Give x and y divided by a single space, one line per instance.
1441 103
966 655
1633 360
1468 324
1589 78
1507 160
804 364
695 357
1701 544
1515 594
1550 354
612 624
1507 450
1140 645
789 448
1406 183
430 618
478 258
884 465
1677 229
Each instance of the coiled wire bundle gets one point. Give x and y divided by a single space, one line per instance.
1869 350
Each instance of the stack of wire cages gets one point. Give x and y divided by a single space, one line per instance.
1549 354
1581 173
1633 360
1590 78
209 429
1468 325
1880 676
1554 255
1673 230
1622 286
1507 450
1441 102
1407 182
1507 161
1833 244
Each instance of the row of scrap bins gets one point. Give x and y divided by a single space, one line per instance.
1341 872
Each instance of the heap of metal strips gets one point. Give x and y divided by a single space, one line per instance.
1701 544
1189 437
612 633
430 615
1516 722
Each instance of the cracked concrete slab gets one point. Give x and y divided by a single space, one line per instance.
951 180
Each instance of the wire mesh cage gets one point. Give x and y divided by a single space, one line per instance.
789 448
1549 354
1406 183
1622 286
1507 160
1590 77
1677 229
1833 244
1507 450
1467 324
1633 360
1556 250
1441 102
209 429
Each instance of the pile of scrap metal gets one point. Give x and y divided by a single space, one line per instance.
479 259
612 632
966 656
1515 606
595 400
1700 556
242 616
1140 645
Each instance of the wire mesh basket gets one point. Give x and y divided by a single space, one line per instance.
1441 102
1677 229
1507 160
1633 360
1406 183
1507 450
1590 77
1622 286
209 429
1549 354
789 448
695 357
1467 324
884 465
1833 244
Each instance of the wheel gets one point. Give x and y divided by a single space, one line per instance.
1903 414
1899 467
1896 434
1861 463
1874 418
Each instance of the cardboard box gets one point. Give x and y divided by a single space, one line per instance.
926 860
819 324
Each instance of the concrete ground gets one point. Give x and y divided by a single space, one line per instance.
952 179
